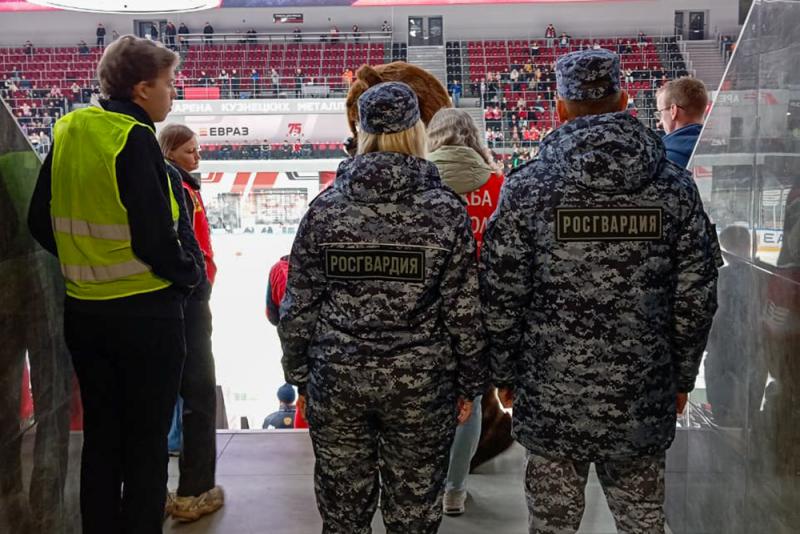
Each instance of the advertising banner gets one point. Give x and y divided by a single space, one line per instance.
273 121
312 128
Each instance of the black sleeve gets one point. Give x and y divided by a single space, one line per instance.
143 189
39 210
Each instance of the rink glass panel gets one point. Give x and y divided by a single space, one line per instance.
37 489
735 465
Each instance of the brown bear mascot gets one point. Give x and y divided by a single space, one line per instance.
495 424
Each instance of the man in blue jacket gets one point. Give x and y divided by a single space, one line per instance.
681 106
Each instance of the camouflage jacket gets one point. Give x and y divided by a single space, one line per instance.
383 274
598 279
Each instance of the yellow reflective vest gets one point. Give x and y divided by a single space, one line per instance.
90 223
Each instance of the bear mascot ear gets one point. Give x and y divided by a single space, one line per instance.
431 94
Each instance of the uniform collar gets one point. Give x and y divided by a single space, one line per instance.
130 108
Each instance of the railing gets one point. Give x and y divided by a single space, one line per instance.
276 37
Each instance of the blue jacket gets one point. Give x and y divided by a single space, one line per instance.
680 144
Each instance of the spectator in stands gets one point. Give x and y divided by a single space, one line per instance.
204 79
550 35
297 35
534 49
28 48
628 47
75 89
347 77
83 48
681 106
170 31
563 41
251 36
298 82
284 417
100 33
114 35
235 83
455 92
356 33
628 75
223 80
276 81
386 27
255 84
513 76
642 39
208 33
334 33
153 31
183 31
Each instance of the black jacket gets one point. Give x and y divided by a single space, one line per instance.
142 184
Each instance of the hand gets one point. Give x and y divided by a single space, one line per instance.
506 396
464 410
301 405
682 399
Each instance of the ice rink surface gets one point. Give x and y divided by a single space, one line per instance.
246 346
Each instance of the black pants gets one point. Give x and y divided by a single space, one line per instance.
198 389
129 371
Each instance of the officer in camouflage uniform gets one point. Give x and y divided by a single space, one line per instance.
598 279
380 325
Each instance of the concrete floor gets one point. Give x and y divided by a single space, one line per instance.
267 478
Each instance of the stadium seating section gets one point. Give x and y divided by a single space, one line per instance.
649 61
42 85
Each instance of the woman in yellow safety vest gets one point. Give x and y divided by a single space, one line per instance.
104 206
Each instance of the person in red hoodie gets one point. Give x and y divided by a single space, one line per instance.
197 493
467 166
276 287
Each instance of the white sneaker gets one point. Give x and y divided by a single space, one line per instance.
454 501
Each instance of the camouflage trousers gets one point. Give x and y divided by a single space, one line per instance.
377 430
634 489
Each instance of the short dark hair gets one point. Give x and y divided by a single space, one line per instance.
130 60
607 104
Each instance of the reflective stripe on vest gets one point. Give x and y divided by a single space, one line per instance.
103 273
117 232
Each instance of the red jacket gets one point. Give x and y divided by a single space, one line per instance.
197 211
481 203
276 287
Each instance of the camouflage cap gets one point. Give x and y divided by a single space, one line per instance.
388 107
588 75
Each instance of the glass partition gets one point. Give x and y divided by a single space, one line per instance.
735 466
36 384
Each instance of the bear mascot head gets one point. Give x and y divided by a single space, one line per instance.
431 94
